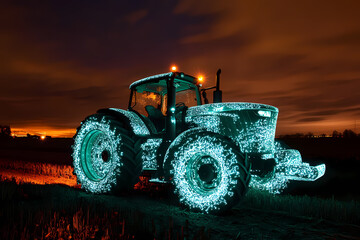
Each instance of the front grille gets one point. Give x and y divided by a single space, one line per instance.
256 134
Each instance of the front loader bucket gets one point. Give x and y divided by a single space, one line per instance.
290 166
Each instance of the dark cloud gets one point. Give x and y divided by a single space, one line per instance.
60 61
136 16
311 119
351 39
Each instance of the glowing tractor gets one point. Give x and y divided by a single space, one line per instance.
211 153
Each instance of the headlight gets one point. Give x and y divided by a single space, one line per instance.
263 113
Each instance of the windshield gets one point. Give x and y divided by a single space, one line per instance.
188 97
153 97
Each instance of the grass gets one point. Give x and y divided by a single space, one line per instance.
37 172
313 207
305 206
31 211
46 169
59 212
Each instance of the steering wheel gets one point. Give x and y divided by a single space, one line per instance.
180 104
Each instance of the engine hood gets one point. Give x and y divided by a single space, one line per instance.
214 108
250 125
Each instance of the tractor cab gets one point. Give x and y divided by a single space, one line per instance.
162 100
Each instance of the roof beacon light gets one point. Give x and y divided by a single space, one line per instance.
173 68
201 78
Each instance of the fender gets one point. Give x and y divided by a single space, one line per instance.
131 119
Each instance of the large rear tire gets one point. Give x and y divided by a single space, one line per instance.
104 156
209 172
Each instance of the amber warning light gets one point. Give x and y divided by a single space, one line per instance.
201 78
173 68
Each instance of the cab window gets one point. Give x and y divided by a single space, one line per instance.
188 97
141 100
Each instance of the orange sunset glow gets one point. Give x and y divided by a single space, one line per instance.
43 131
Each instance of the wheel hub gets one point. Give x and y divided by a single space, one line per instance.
207 173
203 173
105 155
97 155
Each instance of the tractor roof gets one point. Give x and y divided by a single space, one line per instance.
165 76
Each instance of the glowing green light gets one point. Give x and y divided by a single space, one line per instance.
264 113
219 109
149 153
208 163
202 151
252 126
95 137
137 125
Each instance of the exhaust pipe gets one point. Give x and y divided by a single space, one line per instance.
217 97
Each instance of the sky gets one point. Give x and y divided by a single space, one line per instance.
61 61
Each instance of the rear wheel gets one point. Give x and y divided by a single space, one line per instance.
209 172
104 156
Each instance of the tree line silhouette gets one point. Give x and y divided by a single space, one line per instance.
5 132
347 133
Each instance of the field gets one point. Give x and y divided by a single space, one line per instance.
41 200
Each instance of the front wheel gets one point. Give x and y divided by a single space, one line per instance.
209 172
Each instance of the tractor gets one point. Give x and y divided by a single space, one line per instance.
211 153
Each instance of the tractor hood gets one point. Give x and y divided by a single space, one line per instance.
250 125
